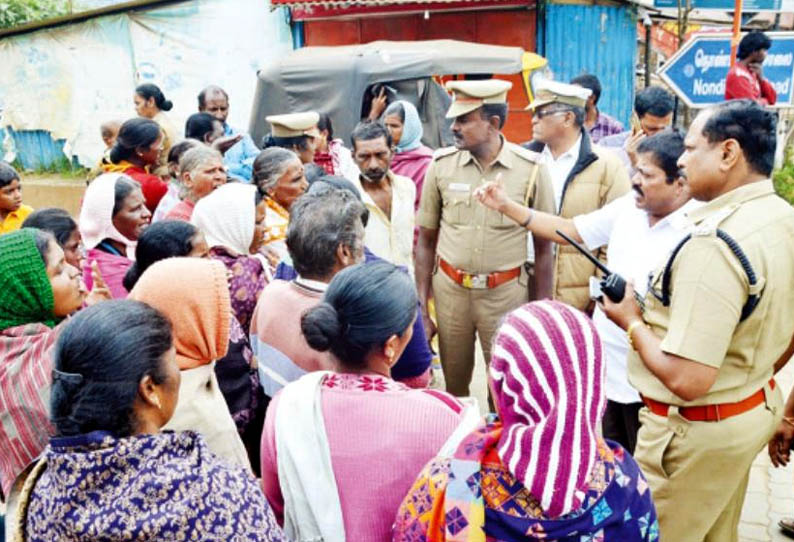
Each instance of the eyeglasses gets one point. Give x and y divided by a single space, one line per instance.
542 114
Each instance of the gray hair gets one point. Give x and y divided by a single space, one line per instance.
579 115
196 157
270 165
318 223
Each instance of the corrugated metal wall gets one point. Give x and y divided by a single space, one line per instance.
601 40
35 149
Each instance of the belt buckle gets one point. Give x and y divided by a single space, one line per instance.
475 282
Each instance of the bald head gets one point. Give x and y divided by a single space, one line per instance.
214 100
109 130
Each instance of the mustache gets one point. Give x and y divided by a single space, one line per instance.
373 174
637 189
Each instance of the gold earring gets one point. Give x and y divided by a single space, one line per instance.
156 401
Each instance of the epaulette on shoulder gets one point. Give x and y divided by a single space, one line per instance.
526 154
444 151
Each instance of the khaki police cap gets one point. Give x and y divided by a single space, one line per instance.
295 124
548 92
469 95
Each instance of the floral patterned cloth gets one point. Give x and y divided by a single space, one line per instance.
246 283
159 487
472 497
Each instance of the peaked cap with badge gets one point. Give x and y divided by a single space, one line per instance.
470 95
294 124
549 92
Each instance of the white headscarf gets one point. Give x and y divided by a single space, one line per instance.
227 216
96 213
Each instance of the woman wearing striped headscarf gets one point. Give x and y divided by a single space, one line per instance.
538 469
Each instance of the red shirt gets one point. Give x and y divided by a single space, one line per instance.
181 211
152 186
742 83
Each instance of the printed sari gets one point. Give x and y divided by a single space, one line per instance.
472 497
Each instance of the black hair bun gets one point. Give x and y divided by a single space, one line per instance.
321 327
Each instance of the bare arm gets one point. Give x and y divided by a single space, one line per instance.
780 444
542 225
425 261
688 379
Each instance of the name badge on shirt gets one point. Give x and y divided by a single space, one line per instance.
459 187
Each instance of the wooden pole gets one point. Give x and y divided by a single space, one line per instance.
737 30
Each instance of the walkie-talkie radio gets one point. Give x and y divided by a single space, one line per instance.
612 285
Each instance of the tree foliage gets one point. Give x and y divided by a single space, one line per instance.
18 12
784 177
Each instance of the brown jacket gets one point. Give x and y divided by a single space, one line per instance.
597 178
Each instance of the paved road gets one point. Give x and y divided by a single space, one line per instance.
770 493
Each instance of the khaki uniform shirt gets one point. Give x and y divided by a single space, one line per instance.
709 288
472 237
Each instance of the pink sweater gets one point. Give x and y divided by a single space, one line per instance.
381 434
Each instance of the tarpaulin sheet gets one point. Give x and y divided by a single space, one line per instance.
69 80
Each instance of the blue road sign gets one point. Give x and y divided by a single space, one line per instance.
697 71
723 5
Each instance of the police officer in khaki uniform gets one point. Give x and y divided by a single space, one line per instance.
584 177
718 321
295 131
473 257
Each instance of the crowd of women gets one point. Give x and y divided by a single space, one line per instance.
133 405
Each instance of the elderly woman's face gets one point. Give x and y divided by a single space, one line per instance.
205 178
290 186
133 217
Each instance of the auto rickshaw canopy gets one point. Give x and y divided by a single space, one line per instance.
334 79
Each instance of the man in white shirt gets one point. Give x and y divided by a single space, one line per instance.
584 177
640 230
389 197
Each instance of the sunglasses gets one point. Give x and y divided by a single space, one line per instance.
542 114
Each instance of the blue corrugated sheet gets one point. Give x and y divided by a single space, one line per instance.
601 40
35 149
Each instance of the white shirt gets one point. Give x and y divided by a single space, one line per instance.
635 250
392 237
560 168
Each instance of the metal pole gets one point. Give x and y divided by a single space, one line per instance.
647 56
737 30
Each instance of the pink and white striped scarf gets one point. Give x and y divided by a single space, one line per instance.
547 375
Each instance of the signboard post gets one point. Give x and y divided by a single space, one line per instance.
697 71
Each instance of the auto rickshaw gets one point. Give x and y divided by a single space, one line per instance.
341 81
